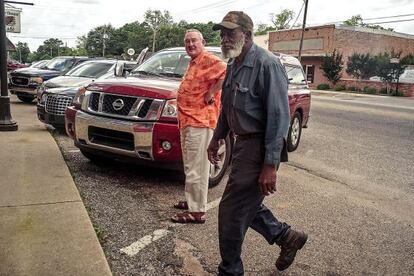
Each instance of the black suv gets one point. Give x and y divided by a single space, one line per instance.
25 81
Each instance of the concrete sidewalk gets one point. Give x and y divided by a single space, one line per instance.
44 229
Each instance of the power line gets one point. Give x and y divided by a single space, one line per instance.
297 17
392 16
394 21
42 37
374 18
209 6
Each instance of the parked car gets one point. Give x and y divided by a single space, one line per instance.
39 63
135 119
54 95
24 82
13 65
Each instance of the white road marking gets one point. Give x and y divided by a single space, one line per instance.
137 246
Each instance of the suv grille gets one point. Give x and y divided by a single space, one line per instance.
124 106
56 104
118 105
20 81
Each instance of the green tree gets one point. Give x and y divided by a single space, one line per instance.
22 52
101 41
361 66
332 66
263 29
50 48
357 20
389 72
155 19
281 20
408 59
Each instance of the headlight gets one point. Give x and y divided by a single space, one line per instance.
78 99
43 98
36 80
40 91
170 109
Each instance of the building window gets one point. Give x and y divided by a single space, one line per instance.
309 72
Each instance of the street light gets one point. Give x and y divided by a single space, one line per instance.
6 121
104 37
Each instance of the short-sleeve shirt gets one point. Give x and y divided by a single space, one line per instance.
202 73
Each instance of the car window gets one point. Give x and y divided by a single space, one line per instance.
167 63
295 74
90 70
60 64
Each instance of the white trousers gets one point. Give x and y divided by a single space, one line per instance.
194 143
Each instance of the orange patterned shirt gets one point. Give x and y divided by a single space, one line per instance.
202 73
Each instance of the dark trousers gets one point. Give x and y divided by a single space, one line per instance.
241 206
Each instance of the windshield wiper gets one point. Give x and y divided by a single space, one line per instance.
173 75
146 73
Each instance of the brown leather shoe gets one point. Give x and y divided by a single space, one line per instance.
291 242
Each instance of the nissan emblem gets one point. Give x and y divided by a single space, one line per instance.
118 104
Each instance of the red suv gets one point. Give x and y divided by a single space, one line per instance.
135 118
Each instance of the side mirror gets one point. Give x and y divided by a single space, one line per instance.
119 69
142 55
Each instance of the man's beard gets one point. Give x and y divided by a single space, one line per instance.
236 51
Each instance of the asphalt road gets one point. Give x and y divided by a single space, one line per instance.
350 186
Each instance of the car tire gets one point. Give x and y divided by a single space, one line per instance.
95 158
217 172
295 131
25 99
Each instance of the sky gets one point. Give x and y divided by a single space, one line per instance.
69 19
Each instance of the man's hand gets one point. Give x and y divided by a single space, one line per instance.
212 151
209 98
267 179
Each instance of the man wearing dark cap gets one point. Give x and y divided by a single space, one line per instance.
255 108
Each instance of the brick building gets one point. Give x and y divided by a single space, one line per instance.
321 40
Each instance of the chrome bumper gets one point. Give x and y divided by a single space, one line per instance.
141 131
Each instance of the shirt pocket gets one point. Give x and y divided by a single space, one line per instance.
240 93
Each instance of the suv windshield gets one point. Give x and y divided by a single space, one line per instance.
60 64
90 70
295 74
166 63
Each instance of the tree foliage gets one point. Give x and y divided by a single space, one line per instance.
22 52
357 20
155 19
158 30
332 66
361 66
387 71
281 20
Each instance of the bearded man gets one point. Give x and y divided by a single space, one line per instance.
255 108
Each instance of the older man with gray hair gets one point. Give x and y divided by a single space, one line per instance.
256 109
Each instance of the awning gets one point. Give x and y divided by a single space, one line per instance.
9 45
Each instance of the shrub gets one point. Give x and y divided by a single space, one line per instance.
397 93
340 87
383 90
323 86
352 88
370 90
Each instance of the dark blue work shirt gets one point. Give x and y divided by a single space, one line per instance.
255 101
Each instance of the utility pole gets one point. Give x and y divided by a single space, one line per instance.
104 37
6 121
303 30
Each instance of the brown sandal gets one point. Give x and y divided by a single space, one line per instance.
182 205
189 217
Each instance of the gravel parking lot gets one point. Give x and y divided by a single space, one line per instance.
358 213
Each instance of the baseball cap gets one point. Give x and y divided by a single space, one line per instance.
233 20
